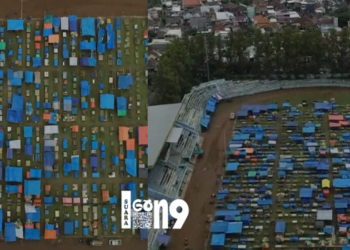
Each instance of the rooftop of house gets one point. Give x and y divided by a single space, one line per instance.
191 3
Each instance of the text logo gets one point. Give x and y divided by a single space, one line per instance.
126 210
178 209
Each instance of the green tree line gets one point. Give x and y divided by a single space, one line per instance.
289 53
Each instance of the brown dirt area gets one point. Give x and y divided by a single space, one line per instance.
81 8
204 178
69 244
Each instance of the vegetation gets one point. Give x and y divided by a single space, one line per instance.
290 53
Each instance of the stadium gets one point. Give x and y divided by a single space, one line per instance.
177 136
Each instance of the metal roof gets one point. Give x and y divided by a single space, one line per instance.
160 122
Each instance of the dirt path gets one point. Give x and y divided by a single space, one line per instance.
81 8
203 182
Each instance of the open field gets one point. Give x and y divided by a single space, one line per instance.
212 165
130 51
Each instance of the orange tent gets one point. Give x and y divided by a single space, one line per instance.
123 133
130 144
334 125
47 188
105 195
92 105
54 38
47 117
37 46
75 129
50 235
336 117
20 189
145 34
38 38
48 26
143 135
28 174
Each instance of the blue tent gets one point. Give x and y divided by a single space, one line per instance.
32 234
10 232
15 114
68 227
34 217
88 27
15 25
32 187
280 227
234 228
85 88
124 82
106 101
35 173
232 166
28 132
131 166
13 174
218 240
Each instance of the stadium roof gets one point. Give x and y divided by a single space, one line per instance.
160 121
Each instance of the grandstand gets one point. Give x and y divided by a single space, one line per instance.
174 134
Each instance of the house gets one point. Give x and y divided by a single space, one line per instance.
153 58
230 7
191 4
172 34
327 23
261 22
223 16
199 23
207 9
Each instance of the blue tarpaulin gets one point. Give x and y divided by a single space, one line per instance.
280 227
29 77
35 173
28 132
115 161
31 234
124 82
14 25
13 174
121 103
131 166
110 36
68 227
305 193
11 189
88 26
10 232
84 88
341 183
73 23
91 46
75 163
217 240
15 114
32 187
232 166
34 217
106 101
28 150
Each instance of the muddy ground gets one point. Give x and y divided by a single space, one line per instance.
81 8
204 179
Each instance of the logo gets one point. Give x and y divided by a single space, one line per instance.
126 210
149 214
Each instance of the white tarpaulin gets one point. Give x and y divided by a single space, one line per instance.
73 61
51 129
19 232
15 144
64 23
50 143
29 208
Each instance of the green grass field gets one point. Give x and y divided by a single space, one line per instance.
133 62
